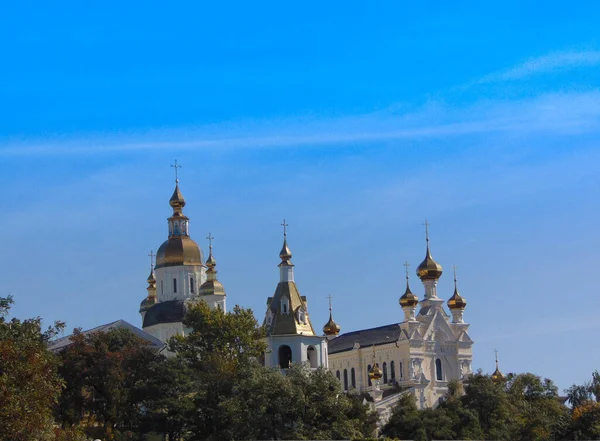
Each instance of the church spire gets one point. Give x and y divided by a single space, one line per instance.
456 303
331 328
408 301
178 222
497 376
150 299
212 286
429 271
286 267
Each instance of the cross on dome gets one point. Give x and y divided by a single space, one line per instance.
176 166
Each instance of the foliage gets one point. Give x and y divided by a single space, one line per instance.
105 376
29 385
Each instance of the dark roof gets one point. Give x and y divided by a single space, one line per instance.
63 342
365 337
172 311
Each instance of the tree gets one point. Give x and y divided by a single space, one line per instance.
29 384
106 375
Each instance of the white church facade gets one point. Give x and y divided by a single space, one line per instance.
419 355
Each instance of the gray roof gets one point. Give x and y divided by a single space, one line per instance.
365 337
63 342
171 311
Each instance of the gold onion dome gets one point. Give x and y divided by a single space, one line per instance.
497 376
212 286
177 200
331 328
408 299
375 373
456 301
429 269
285 254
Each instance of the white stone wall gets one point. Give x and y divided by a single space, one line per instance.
183 274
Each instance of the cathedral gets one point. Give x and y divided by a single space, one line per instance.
419 355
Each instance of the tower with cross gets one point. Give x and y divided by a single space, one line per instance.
179 271
291 337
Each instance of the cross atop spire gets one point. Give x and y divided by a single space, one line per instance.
210 239
284 225
426 230
176 167
496 352
406 265
454 269
329 297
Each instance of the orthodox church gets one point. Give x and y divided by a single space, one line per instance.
418 355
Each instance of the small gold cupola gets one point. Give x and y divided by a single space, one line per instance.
429 269
331 328
212 287
285 254
497 376
456 301
150 299
408 299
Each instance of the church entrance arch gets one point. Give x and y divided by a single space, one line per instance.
285 356
311 356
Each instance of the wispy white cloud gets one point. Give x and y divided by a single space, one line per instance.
570 113
557 61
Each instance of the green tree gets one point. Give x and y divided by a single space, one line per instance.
106 375
29 384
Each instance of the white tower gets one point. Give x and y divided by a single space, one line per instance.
179 273
290 335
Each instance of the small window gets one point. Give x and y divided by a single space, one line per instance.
438 370
162 287
353 377
337 374
401 373
392 371
174 285
385 377
191 284
345 379
368 377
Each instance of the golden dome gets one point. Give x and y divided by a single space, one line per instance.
375 373
179 250
456 301
151 278
212 288
177 200
429 269
285 254
331 327
408 299
498 376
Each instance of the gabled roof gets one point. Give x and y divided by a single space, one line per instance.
61 343
365 337
286 323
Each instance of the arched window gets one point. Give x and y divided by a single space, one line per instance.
345 379
392 371
191 284
337 375
438 370
368 377
401 371
162 287
385 373
353 378
311 356
174 285
285 356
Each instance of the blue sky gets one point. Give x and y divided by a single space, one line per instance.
355 122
